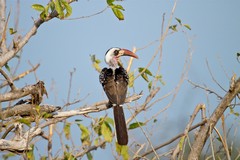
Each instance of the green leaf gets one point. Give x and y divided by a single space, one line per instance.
52 6
236 114
118 13
96 141
109 121
150 85
7 67
97 129
12 31
93 58
181 142
30 153
25 121
43 158
85 136
131 79
38 7
145 77
38 108
95 63
47 115
233 112
119 7
179 21
66 130
69 156
110 2
59 8
173 27
147 71
97 67
68 8
46 10
159 77
106 132
238 55
43 15
219 139
136 125
187 26
89 156
123 151
67 147
8 155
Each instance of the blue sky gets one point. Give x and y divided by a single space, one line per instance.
62 45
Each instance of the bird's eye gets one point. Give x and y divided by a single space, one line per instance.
116 52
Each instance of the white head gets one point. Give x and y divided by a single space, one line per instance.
112 55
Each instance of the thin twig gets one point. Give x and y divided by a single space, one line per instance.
224 142
203 133
171 140
211 142
147 137
88 15
204 88
195 112
70 85
50 141
131 60
4 34
4 58
213 76
9 81
21 75
143 106
34 71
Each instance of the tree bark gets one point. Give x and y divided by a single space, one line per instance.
204 131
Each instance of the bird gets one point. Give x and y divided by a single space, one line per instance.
114 81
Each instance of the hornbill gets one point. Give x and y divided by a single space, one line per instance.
115 82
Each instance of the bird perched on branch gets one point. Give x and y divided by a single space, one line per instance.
115 82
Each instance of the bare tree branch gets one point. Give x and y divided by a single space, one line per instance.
20 75
6 56
170 141
97 107
9 81
27 110
2 15
22 144
88 16
19 93
205 88
204 131
177 150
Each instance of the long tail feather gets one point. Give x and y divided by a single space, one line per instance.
120 124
